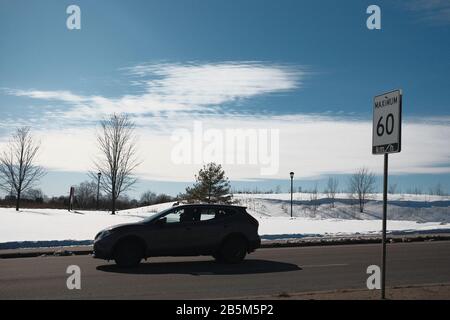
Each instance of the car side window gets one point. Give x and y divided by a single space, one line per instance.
221 213
207 214
195 214
214 213
174 216
224 212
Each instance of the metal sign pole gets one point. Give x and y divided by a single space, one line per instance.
291 174
385 187
386 138
292 185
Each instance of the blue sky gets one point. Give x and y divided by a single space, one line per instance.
281 64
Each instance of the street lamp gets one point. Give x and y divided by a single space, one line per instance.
292 186
98 186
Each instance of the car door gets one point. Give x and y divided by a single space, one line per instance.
207 229
170 234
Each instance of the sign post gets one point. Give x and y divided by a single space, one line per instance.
71 196
386 138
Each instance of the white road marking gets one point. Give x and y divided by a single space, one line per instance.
324 265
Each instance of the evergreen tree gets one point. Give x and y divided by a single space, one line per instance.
211 186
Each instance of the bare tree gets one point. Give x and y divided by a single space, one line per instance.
313 200
392 188
34 195
415 190
438 190
86 194
18 171
278 189
362 183
331 190
117 143
148 198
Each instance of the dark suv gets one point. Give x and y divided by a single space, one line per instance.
226 232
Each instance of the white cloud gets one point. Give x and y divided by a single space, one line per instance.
65 96
213 84
176 87
309 145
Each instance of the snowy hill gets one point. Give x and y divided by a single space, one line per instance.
313 215
405 213
405 207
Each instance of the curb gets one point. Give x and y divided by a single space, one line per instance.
289 243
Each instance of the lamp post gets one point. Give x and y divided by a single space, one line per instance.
292 187
98 186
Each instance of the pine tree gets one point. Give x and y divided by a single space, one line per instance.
211 186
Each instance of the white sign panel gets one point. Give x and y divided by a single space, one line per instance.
387 123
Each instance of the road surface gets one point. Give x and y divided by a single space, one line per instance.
265 272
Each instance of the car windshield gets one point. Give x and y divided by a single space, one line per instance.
153 216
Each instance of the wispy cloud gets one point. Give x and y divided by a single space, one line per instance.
65 96
178 87
432 11
213 84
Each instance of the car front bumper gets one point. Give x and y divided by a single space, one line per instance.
101 252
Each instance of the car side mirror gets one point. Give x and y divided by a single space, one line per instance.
161 222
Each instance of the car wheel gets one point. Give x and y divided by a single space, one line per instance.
233 250
128 254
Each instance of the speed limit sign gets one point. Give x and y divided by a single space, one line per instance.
386 138
387 123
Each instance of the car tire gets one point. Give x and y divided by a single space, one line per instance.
233 250
128 254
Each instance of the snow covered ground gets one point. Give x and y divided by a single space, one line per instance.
405 213
55 224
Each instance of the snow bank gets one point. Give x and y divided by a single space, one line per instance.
305 226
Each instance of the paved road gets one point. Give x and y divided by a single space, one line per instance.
266 272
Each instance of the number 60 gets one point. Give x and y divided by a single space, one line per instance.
389 125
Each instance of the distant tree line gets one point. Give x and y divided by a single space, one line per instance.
85 199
